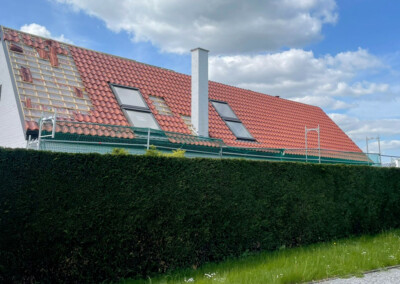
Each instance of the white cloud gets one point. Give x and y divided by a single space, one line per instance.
387 145
244 33
42 31
224 27
299 75
324 102
359 129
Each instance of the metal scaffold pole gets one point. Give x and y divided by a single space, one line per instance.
378 139
319 142
148 139
42 120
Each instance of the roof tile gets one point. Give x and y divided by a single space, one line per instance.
273 122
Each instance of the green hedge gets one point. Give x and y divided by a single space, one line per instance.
90 218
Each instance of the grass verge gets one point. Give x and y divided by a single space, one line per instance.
319 261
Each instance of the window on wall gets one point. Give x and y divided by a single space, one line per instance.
232 121
135 107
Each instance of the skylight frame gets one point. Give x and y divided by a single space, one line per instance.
229 118
232 119
127 107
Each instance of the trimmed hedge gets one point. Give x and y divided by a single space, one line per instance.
90 218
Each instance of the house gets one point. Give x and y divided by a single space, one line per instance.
99 96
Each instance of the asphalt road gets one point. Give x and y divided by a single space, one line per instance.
391 276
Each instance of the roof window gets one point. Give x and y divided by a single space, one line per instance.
135 107
233 122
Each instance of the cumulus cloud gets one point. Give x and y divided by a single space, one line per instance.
359 129
224 27
242 36
324 102
299 75
387 145
42 31
243 33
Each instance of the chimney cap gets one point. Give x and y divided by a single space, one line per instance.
200 49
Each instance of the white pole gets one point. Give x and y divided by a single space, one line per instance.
40 132
54 124
148 139
379 147
366 142
306 141
319 148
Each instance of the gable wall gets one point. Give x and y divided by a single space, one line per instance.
11 131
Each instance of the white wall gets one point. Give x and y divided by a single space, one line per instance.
11 131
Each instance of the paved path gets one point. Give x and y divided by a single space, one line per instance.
391 276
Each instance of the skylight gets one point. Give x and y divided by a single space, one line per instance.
233 122
239 130
130 97
224 110
142 119
135 107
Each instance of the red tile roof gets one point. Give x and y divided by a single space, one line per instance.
273 122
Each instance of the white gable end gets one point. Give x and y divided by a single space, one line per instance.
11 128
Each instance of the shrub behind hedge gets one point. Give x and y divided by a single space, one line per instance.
90 218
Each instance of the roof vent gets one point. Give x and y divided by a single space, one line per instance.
277 97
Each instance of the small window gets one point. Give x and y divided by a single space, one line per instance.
233 122
135 107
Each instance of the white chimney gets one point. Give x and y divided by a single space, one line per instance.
200 91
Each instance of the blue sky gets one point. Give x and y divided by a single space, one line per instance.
342 55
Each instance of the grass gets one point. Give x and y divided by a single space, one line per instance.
314 262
